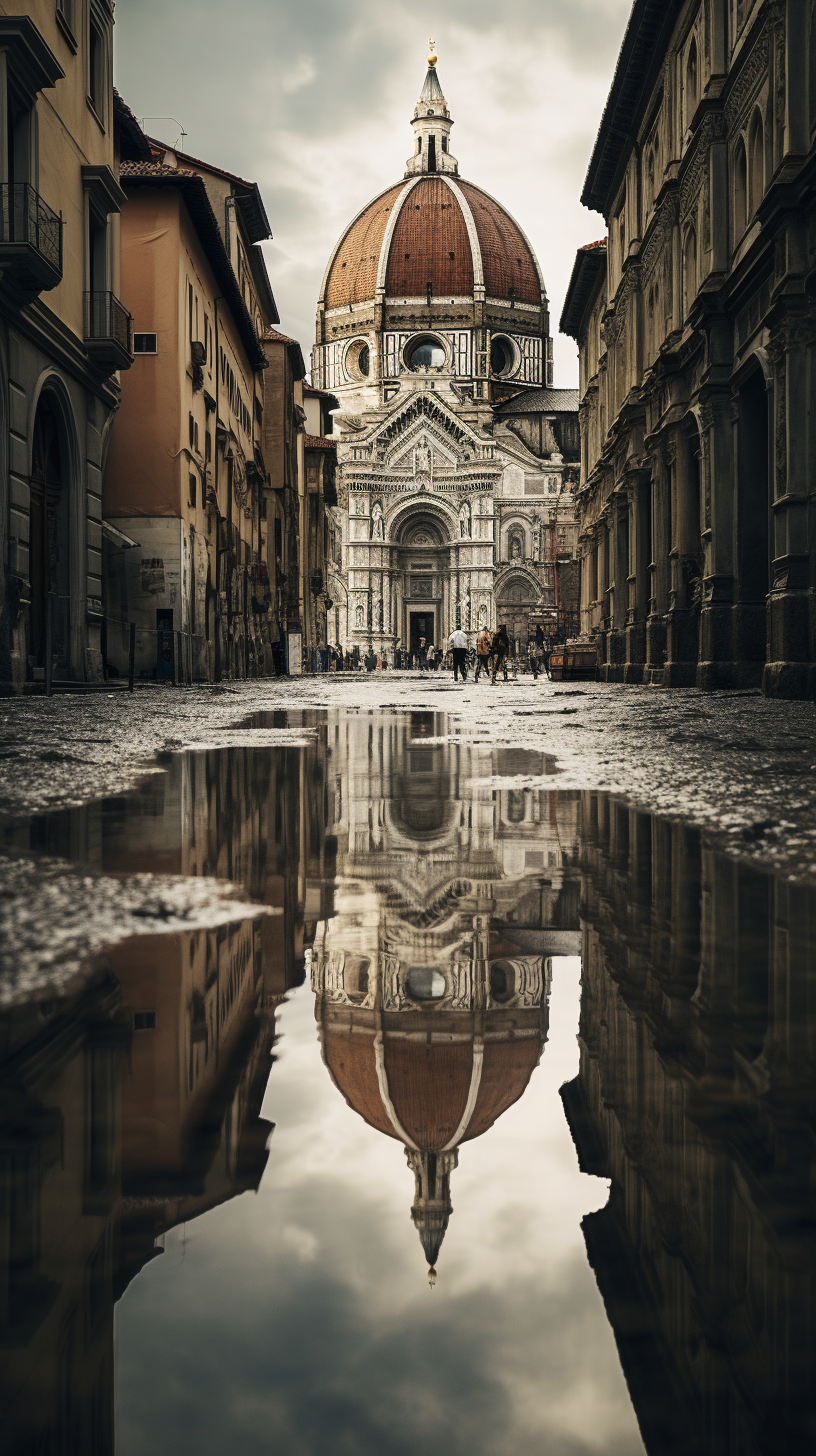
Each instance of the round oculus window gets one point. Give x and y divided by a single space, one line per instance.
425 983
502 356
358 360
426 352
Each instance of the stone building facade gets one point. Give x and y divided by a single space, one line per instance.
697 329
64 335
432 328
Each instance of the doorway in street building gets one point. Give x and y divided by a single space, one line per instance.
49 538
420 624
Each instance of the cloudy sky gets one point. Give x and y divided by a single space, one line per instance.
299 1319
312 99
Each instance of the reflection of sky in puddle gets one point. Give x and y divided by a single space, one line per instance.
300 1319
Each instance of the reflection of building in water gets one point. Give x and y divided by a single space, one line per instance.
60 1069
432 978
204 1027
102 1153
695 1096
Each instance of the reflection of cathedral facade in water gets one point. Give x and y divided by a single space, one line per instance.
432 978
457 457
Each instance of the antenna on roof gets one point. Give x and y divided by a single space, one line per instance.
182 133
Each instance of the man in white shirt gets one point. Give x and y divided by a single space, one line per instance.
457 644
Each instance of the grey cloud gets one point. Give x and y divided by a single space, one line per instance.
321 1359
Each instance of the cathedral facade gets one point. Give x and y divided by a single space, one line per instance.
456 457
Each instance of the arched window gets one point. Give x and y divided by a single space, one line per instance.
740 190
691 81
756 153
650 175
689 271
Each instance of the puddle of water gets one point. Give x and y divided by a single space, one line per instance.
233 1160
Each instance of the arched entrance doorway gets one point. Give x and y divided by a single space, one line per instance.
423 566
516 597
49 555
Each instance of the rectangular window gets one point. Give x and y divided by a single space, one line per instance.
96 67
190 309
193 490
65 13
208 447
145 344
144 1021
191 423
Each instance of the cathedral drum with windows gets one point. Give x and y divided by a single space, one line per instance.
457 458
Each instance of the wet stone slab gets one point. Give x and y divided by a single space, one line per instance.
440 1104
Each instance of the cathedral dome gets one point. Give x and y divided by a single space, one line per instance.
432 1094
432 235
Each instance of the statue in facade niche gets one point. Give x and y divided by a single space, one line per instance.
464 521
515 549
377 529
359 615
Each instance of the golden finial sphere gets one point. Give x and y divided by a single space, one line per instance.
432 60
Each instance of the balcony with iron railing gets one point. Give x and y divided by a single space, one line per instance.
108 331
30 243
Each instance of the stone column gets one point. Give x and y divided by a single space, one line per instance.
619 582
659 566
602 549
682 628
638 503
718 465
790 669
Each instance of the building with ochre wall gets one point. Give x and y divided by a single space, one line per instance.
63 333
186 480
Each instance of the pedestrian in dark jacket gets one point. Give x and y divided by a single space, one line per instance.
501 647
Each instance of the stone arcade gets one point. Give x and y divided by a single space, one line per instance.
432 327
697 329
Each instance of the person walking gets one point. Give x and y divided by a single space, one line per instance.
457 643
501 647
484 642
430 657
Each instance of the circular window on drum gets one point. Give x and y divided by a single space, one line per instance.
426 351
503 356
426 983
358 359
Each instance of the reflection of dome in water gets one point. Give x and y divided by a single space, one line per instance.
432 1057
431 1095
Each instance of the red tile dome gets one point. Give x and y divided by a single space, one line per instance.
435 229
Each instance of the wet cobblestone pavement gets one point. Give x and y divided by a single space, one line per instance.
740 766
